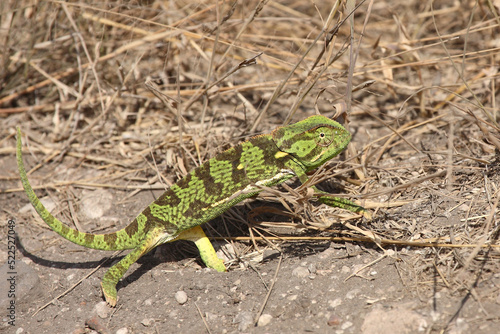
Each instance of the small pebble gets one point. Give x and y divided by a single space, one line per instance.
334 320
102 310
334 303
181 297
346 325
94 204
123 330
352 294
244 320
300 272
148 322
264 320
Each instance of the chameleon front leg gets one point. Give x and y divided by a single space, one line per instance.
338 202
207 252
116 272
343 203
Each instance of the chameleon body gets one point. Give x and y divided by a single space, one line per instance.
209 190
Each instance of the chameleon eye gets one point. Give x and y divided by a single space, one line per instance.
324 136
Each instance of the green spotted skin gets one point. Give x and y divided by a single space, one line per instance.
209 190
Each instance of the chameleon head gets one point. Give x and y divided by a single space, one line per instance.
313 141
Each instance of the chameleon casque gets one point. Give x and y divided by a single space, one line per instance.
209 190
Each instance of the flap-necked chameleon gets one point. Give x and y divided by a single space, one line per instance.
209 190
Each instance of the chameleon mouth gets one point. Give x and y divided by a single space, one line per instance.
322 153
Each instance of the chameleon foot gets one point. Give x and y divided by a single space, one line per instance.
215 263
207 252
109 293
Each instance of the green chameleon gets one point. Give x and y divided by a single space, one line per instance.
209 190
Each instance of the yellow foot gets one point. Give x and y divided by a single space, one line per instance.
216 263
207 252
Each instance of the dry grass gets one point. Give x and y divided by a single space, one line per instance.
424 109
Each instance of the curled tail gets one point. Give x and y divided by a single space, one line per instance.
127 238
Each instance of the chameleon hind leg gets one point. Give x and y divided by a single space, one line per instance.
108 284
207 252
152 239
